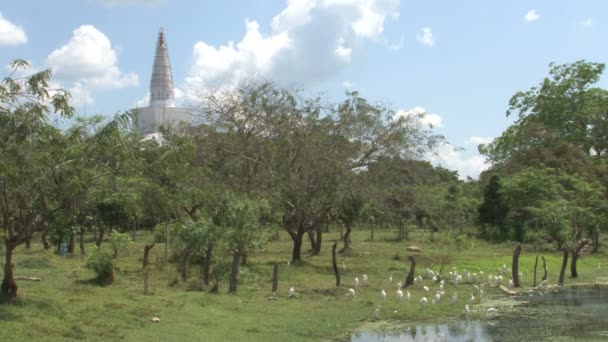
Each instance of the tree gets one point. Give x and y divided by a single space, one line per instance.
564 107
493 211
27 157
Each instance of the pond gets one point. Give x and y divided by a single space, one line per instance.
573 313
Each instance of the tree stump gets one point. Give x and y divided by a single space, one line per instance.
335 264
275 278
409 280
515 266
544 268
562 272
535 267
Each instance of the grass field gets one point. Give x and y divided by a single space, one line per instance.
65 305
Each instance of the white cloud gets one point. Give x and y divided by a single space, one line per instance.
115 3
348 84
454 158
88 62
11 34
396 46
428 119
587 22
425 37
479 140
309 41
532 16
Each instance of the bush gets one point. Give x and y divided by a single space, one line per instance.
101 262
119 241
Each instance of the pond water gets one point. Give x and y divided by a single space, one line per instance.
579 314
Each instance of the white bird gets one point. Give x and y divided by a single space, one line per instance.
481 273
383 295
454 298
466 311
292 292
351 293
364 280
426 289
399 295
423 301
399 285
377 313
356 282
390 278
437 297
288 263
343 265
542 284
472 299
510 283
407 296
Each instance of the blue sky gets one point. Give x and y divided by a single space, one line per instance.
458 61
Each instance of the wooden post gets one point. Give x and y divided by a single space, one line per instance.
545 268
515 266
409 280
166 242
335 263
275 278
535 266
562 272
147 248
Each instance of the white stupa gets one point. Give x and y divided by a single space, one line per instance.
162 110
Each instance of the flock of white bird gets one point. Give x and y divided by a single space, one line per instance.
436 295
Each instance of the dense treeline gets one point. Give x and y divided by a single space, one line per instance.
264 159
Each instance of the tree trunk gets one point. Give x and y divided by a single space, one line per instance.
318 240
28 242
134 230
147 248
207 263
409 280
45 240
275 278
234 272
596 242
334 263
184 265
313 242
8 290
562 271
81 241
535 266
296 254
576 253
515 266
544 268
100 236
72 243
244 257
346 239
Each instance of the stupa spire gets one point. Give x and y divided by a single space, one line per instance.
161 84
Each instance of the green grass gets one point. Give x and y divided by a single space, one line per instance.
65 305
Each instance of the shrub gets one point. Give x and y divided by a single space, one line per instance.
101 262
119 241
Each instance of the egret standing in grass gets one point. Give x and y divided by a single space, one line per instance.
364 280
423 301
356 282
454 298
426 289
292 292
343 265
351 293
399 295
466 311
390 278
383 294
407 296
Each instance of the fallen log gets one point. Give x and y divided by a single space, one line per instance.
27 278
508 291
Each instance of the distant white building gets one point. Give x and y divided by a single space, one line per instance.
161 110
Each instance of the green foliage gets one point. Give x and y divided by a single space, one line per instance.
100 261
119 241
